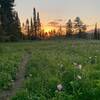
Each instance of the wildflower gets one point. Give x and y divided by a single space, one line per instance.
56 91
95 56
90 57
80 66
74 63
30 75
79 77
12 80
61 65
59 87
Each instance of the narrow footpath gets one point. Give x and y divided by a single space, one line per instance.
20 76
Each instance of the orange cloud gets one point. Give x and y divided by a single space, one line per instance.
53 24
58 20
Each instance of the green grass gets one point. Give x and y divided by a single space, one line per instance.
52 64
10 58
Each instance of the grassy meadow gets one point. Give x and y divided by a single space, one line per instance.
57 70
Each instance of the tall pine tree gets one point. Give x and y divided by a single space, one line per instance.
69 26
38 25
16 27
27 29
31 28
96 32
8 19
35 23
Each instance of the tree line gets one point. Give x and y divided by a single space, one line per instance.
78 29
96 33
74 28
32 28
10 27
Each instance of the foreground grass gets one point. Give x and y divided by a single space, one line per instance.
58 62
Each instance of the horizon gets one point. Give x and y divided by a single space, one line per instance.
59 12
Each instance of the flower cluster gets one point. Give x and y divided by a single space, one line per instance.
92 60
59 87
79 67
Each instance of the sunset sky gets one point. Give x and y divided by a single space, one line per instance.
59 11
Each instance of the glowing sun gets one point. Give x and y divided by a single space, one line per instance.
48 28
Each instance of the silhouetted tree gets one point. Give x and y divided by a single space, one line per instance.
0 22
79 26
23 30
35 23
98 35
16 27
54 32
6 9
69 28
31 28
27 29
38 26
1 30
60 32
8 19
96 32
2 33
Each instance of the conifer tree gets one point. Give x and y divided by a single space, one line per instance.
27 28
79 27
96 32
60 30
31 27
38 25
35 23
16 27
7 19
69 27
7 15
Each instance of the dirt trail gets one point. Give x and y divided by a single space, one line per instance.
20 76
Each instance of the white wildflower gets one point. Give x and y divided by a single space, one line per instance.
95 56
74 63
30 75
79 77
59 87
61 66
80 66
12 80
90 57
56 91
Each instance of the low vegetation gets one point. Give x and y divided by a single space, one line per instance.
58 70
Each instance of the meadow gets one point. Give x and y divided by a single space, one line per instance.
57 70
